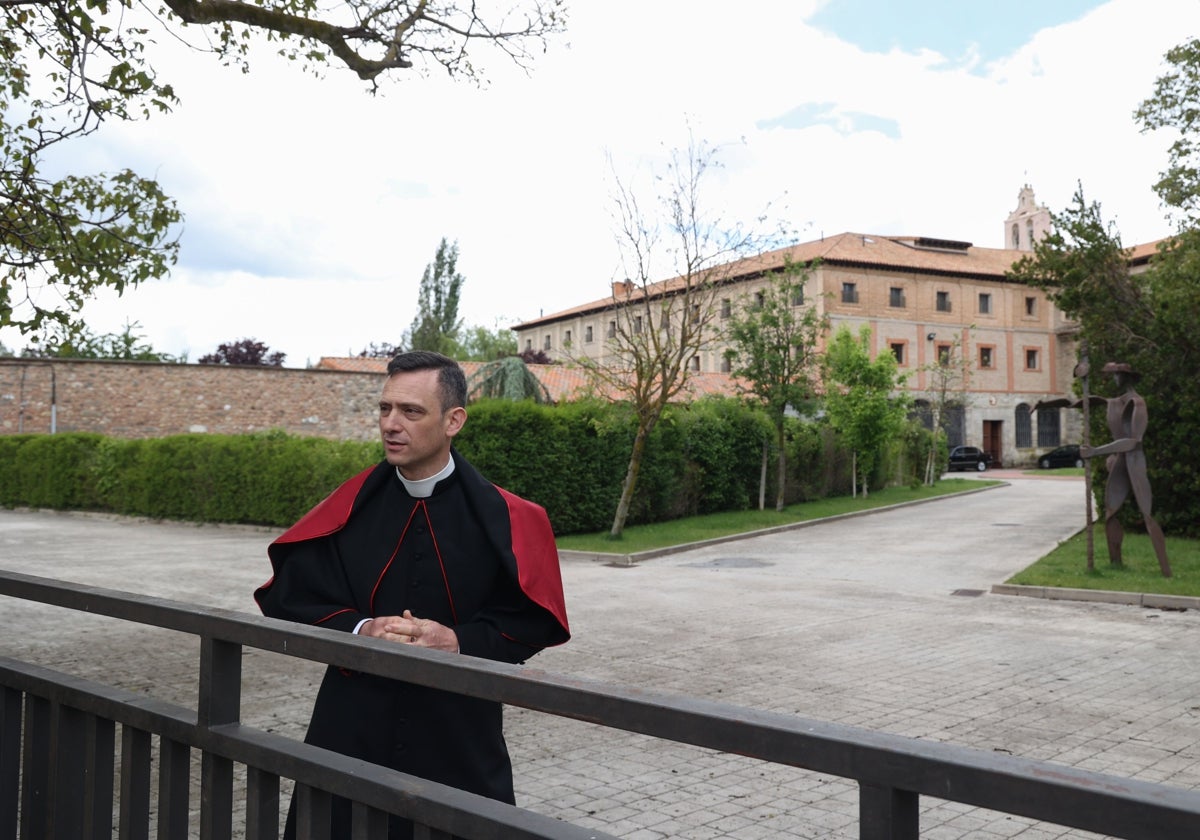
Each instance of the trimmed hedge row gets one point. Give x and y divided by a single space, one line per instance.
571 458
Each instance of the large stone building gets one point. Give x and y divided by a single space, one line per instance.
922 297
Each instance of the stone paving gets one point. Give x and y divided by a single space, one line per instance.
883 621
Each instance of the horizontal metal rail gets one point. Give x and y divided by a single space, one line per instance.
892 771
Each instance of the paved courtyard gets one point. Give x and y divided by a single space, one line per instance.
883 621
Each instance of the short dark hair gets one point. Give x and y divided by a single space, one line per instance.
451 379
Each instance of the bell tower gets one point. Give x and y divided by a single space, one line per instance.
1027 224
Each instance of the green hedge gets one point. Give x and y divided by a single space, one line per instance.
571 459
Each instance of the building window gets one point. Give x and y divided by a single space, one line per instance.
985 303
849 293
898 351
726 364
1016 236
612 329
695 315
760 300
1031 306
546 343
944 353
987 357
726 307
587 334
567 338
695 363
943 301
1029 233
896 297
664 322
637 324
529 344
1024 426
1048 432
798 296
1031 359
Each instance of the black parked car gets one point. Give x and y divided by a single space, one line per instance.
969 458
1064 456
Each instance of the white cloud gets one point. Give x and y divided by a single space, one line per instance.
313 207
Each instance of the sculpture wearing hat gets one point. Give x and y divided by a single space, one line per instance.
1126 414
1127 417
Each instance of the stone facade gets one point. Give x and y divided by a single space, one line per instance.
146 399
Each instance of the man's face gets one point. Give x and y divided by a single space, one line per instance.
416 432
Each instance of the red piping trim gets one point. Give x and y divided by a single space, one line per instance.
445 578
395 551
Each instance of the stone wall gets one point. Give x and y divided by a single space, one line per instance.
147 399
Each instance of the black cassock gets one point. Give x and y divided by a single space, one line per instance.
470 556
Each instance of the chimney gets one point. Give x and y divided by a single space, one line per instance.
622 288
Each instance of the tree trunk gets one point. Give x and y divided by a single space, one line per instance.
854 475
630 483
762 477
781 471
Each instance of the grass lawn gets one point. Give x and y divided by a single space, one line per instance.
1066 566
693 529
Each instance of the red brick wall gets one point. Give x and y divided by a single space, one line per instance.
146 399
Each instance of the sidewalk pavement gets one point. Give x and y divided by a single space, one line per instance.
886 621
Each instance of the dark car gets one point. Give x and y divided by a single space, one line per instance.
1064 456
969 458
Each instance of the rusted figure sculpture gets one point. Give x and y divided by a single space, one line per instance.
1127 417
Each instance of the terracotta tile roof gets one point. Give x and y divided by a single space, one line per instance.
903 253
564 382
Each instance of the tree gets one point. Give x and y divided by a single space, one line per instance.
479 344
1145 319
65 67
507 379
859 399
659 328
436 324
246 351
64 343
1175 105
773 349
947 375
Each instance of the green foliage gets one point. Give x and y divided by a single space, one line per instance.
507 379
569 458
773 346
435 326
65 343
268 478
1146 320
1175 106
65 67
479 344
859 398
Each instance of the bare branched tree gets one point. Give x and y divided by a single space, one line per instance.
659 330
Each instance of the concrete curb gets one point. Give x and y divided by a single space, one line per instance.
1100 596
636 557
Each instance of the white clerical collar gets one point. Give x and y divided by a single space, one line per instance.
422 488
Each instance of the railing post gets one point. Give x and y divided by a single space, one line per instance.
887 813
98 792
135 784
36 777
10 760
219 703
68 745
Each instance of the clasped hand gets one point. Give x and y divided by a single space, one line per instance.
410 630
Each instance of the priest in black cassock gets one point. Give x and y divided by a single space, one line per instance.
420 550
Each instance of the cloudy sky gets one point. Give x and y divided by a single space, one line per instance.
312 206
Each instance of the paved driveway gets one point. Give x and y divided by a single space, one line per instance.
876 621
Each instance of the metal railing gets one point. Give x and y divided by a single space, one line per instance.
58 746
